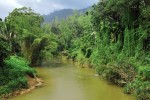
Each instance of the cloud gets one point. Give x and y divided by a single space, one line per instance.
38 1
7 6
10 3
42 6
77 4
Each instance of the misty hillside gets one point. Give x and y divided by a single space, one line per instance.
60 14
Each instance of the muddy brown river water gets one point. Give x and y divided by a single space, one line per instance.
64 80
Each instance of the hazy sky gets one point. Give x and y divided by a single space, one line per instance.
42 6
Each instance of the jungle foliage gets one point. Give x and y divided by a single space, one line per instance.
24 42
13 76
114 38
30 40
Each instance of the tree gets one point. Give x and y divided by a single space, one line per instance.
5 45
25 24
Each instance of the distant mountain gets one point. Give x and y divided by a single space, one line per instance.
60 14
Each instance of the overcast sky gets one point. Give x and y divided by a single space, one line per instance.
43 6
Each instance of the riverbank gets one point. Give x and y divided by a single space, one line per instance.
65 80
33 83
17 77
132 76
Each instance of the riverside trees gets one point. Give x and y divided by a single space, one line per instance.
114 38
30 39
23 42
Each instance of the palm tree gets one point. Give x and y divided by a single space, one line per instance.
4 42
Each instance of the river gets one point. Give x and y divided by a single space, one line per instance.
64 80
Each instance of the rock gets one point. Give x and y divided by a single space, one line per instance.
39 84
28 90
32 87
22 92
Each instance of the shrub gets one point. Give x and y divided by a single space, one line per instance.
141 85
144 73
19 65
118 73
13 76
14 85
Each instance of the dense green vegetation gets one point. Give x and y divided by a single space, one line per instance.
13 76
22 43
31 42
113 38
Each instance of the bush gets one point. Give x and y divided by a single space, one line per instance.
118 73
15 67
14 85
20 65
13 75
139 88
144 73
141 85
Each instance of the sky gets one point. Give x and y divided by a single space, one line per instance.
43 6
